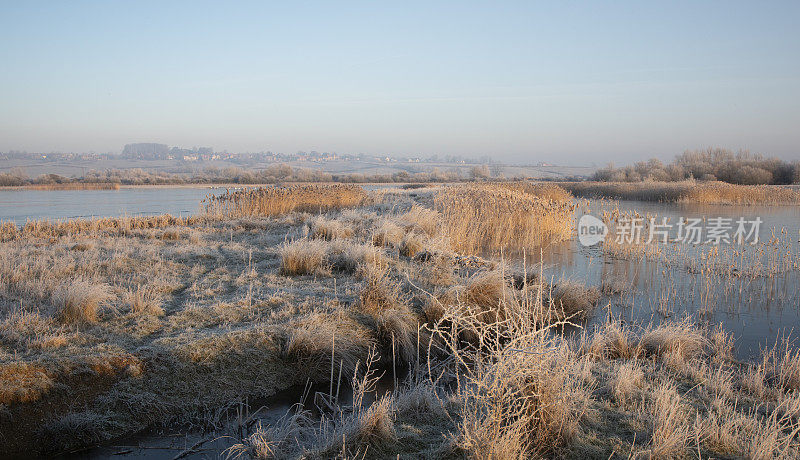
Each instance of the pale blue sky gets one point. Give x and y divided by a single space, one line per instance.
524 81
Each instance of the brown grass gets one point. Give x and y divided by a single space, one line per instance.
388 233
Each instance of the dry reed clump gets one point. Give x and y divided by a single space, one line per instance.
723 193
678 341
366 432
22 382
388 233
144 300
686 191
421 219
349 257
412 244
669 419
489 296
627 382
79 301
484 217
780 365
382 300
319 337
279 440
329 229
521 388
524 401
273 201
380 292
572 299
363 433
611 341
420 399
303 257
681 339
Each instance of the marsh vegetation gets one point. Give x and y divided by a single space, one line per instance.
111 326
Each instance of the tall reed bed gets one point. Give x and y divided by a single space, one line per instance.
546 191
489 217
109 225
273 201
686 192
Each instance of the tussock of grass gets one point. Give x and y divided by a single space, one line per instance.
669 423
329 229
303 257
490 293
279 440
145 300
421 219
396 325
79 301
572 299
316 338
388 233
367 431
627 382
611 341
23 382
784 364
78 429
351 258
412 244
681 338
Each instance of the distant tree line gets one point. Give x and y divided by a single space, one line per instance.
708 165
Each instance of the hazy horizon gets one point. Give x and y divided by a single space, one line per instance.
520 82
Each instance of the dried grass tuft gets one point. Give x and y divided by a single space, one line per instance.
79 301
